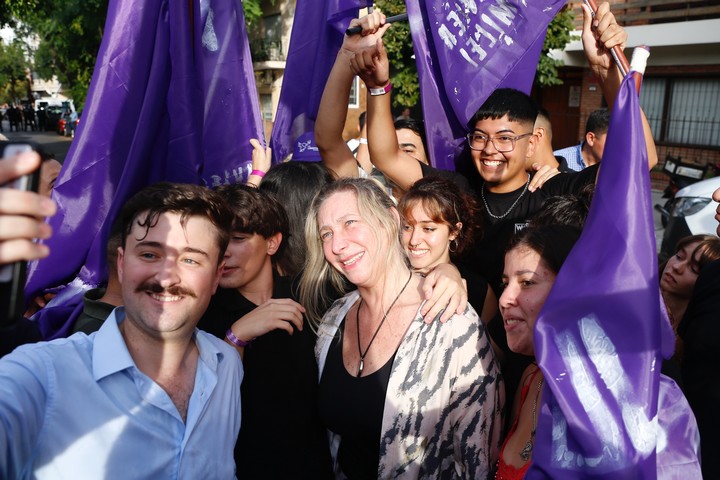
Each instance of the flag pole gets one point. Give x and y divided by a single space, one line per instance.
620 59
638 63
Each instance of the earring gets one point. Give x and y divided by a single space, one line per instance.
450 247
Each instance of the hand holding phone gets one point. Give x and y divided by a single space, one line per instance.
22 220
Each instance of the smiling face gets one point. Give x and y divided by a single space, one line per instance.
426 241
168 275
528 282
503 171
681 272
349 243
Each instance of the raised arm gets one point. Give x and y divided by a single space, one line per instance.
600 35
373 67
260 163
330 122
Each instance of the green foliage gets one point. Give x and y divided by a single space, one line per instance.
11 10
559 33
12 72
70 32
403 70
252 9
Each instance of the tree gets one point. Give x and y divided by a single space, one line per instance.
403 74
559 33
12 72
70 33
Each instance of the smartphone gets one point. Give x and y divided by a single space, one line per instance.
12 276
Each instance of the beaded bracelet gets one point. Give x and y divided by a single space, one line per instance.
235 340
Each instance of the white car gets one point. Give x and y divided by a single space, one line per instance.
692 213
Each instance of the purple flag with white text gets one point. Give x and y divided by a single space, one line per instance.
317 35
606 412
172 98
464 51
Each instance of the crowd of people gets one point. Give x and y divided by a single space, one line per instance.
366 316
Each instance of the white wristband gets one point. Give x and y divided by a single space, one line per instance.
381 91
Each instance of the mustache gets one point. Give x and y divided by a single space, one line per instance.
175 290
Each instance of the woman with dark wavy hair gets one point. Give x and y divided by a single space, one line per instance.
439 225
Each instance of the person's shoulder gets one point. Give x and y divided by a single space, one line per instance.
460 325
341 303
209 344
571 181
711 270
52 354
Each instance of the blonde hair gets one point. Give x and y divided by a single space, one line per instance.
378 210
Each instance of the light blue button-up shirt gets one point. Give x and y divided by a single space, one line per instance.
78 408
573 156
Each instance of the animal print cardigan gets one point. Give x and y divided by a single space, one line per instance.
443 408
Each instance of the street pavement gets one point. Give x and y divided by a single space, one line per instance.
53 143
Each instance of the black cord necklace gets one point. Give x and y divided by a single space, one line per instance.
377 330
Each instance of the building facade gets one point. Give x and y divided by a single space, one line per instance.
269 44
681 88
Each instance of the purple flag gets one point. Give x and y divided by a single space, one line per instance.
172 98
606 412
464 51
317 35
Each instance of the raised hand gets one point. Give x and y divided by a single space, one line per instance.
600 34
373 28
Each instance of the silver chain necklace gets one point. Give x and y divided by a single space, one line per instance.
527 450
499 217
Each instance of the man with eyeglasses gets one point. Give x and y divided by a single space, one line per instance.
501 139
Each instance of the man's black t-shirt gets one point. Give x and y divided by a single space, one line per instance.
489 250
496 233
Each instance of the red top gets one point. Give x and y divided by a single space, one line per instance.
505 471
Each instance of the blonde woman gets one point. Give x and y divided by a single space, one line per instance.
399 396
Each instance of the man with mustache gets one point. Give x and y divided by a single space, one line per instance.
700 332
148 395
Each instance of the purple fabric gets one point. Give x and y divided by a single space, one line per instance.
168 101
598 337
306 150
317 35
464 51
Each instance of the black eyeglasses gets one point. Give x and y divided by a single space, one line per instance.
502 143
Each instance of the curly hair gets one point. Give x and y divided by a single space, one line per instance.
444 203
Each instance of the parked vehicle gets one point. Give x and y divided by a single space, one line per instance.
681 175
54 113
692 213
67 124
